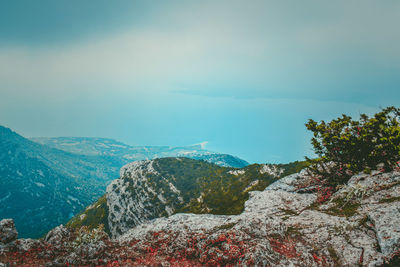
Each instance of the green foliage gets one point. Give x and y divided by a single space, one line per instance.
209 188
343 207
225 226
293 167
346 146
92 217
225 193
389 200
334 256
394 261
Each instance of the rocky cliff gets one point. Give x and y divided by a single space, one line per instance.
155 188
290 223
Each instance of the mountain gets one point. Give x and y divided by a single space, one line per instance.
41 187
224 160
127 153
287 224
161 187
46 181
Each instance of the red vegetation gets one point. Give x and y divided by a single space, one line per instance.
193 249
315 184
200 249
285 247
324 194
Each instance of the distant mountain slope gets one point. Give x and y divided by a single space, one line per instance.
224 160
127 153
161 187
41 187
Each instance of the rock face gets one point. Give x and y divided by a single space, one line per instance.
382 207
8 233
131 200
357 226
56 235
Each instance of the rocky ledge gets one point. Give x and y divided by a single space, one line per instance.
291 223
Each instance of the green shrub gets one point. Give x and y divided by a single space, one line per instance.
346 146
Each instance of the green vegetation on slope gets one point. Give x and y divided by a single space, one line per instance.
225 193
293 167
92 216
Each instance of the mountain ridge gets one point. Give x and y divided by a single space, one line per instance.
162 187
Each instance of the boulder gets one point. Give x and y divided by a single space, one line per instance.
56 235
386 220
8 233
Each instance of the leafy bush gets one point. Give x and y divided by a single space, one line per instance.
346 146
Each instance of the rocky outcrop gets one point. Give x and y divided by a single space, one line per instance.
280 226
359 226
134 199
150 189
386 222
55 236
8 233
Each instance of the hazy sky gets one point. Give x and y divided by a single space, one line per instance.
243 75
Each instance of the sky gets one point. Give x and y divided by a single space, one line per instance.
245 76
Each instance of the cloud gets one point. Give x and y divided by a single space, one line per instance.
265 49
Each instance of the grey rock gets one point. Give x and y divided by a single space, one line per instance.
386 220
27 244
312 233
278 227
289 183
55 236
8 233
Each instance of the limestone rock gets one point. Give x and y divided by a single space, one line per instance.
56 235
8 233
386 220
